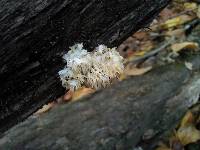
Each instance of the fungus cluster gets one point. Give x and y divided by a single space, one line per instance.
96 69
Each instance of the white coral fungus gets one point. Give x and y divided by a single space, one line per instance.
92 69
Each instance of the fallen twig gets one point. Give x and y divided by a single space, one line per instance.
152 53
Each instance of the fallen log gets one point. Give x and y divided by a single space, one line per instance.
34 35
115 118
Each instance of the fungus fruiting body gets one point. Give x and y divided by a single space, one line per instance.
95 69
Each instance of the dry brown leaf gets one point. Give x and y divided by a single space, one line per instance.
134 71
134 55
140 35
82 92
45 108
68 96
166 13
176 33
187 119
177 47
146 46
163 147
188 134
175 144
185 18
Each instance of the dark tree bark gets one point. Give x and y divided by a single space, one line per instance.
115 118
35 33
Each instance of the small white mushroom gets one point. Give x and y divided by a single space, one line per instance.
95 69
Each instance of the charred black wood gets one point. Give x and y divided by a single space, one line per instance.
34 35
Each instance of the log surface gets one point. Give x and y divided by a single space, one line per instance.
115 118
35 33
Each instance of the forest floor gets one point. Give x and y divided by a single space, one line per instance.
174 32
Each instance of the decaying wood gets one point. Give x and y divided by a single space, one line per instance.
35 33
115 118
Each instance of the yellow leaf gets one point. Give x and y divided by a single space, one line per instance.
82 92
190 6
187 119
122 77
180 46
198 12
139 53
176 21
188 134
171 23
